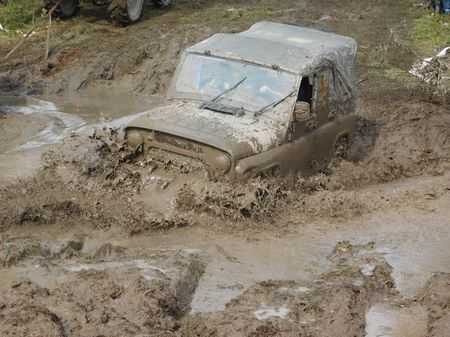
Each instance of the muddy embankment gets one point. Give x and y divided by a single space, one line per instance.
70 289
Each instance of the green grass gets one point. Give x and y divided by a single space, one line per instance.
19 14
432 32
223 15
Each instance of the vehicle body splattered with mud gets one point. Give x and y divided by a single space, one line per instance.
274 99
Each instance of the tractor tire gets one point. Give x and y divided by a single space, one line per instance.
124 12
162 3
66 9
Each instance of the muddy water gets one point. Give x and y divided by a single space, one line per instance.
33 123
384 320
415 240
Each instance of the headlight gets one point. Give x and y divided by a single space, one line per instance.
134 138
221 162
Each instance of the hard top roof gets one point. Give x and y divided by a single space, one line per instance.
292 48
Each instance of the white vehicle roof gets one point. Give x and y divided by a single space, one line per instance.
291 48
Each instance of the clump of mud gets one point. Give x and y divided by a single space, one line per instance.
436 298
50 199
257 199
104 158
118 295
16 250
408 139
333 305
102 154
90 303
88 180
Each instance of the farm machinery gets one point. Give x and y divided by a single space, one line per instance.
120 11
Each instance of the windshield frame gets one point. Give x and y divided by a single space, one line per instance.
172 94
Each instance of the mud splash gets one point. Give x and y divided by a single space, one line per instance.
58 124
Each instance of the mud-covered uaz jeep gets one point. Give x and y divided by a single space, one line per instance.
273 99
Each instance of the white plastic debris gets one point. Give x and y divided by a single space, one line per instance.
427 70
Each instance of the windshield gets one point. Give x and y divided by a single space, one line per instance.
207 78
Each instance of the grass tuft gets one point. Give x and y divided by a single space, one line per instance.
432 31
18 14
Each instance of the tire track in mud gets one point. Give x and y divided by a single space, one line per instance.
107 294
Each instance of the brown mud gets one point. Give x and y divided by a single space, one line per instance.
100 240
144 295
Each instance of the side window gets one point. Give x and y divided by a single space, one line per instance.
306 91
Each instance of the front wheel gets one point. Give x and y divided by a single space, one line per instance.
66 9
126 11
162 3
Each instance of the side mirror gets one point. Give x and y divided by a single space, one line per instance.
302 111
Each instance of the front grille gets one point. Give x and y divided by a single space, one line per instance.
179 142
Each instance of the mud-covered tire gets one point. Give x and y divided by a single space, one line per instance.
125 12
162 3
66 9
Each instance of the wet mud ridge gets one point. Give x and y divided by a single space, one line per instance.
68 288
108 291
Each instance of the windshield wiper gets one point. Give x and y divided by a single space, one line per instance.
274 104
214 107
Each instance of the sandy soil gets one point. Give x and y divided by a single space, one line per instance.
356 250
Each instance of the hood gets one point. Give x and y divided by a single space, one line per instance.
238 136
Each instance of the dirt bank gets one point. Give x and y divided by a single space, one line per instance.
116 291
334 304
113 293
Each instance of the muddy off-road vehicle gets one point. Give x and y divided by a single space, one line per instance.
273 99
120 11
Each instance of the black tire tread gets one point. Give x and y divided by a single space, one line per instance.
49 4
117 12
160 4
